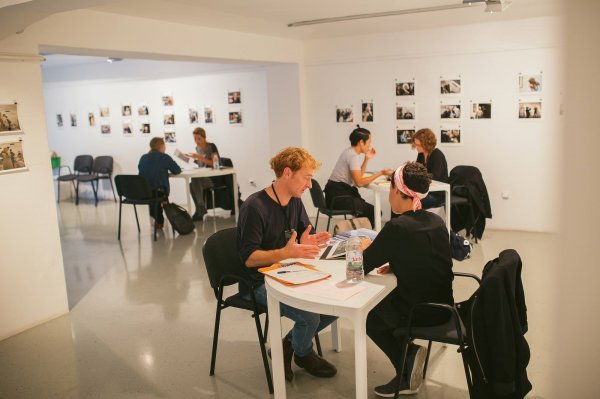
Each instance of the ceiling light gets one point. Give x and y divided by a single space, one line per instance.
493 6
110 60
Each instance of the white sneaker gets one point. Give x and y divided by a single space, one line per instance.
417 360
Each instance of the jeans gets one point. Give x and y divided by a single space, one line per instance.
197 187
306 326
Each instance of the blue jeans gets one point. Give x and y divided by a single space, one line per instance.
306 325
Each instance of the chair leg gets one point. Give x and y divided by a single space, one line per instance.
136 218
119 231
317 220
77 193
95 190
426 360
402 368
213 203
263 352
328 221
213 359
112 187
58 191
318 345
467 373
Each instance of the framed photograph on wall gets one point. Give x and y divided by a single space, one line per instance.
11 156
9 119
344 114
91 119
450 86
168 117
405 88
127 129
367 111
193 115
234 97
73 117
451 135
209 114
59 120
450 111
406 112
105 129
530 83
481 110
104 111
530 109
170 136
143 110
404 136
145 128
235 117
168 100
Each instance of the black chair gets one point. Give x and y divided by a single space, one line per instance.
81 166
453 332
219 184
223 267
135 190
101 169
318 200
461 199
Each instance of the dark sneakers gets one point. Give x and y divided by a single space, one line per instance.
389 390
315 365
414 369
288 352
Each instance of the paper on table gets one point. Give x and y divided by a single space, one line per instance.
331 290
294 273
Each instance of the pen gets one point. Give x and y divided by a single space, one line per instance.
288 271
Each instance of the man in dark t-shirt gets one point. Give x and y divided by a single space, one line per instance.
273 226
417 246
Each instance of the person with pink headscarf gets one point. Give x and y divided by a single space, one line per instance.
416 245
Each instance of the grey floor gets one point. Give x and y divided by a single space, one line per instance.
142 314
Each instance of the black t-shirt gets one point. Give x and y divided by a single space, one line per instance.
417 247
262 225
438 168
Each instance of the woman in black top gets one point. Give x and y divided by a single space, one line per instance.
424 141
417 247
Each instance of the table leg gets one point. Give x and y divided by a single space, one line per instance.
377 211
360 357
336 336
276 347
447 192
235 197
189 194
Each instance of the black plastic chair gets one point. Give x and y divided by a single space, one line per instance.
101 169
135 190
318 200
453 332
219 184
81 166
224 267
460 198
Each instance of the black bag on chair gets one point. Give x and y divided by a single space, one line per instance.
461 247
179 218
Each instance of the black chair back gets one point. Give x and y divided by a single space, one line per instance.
83 164
221 258
226 162
103 165
133 187
317 196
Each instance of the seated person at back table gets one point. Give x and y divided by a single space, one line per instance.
424 142
348 173
270 223
155 167
417 246
203 156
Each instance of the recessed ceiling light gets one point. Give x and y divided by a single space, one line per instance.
110 60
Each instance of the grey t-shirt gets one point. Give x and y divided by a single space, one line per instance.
348 160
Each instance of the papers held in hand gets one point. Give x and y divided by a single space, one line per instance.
337 246
181 156
295 273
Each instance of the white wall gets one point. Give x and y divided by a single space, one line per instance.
243 144
31 267
513 155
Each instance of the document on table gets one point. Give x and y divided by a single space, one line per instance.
332 290
295 273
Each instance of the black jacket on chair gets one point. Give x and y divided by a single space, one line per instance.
496 323
470 177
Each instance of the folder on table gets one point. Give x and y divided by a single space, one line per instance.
295 273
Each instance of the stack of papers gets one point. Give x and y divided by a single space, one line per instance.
370 234
295 273
181 155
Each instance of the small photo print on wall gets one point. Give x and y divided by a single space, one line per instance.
104 111
170 137
405 88
167 100
126 110
344 114
234 97
11 156
145 128
404 136
235 117
450 86
529 110
127 131
451 136
91 119
209 114
406 112
59 120
168 117
105 129
73 119
193 114
9 119
367 112
143 110
530 83
450 111
481 110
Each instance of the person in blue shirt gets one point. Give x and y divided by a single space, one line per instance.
155 167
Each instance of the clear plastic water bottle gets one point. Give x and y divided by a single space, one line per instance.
354 261
215 160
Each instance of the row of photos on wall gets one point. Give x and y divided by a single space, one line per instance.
12 158
142 116
451 107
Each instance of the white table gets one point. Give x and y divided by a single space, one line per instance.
355 308
384 187
188 174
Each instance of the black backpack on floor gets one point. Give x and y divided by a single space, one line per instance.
179 218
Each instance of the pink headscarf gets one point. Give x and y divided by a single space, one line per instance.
399 181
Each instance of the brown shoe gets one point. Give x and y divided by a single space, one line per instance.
315 365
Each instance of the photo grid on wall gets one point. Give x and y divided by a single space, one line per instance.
450 109
169 132
12 157
530 100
